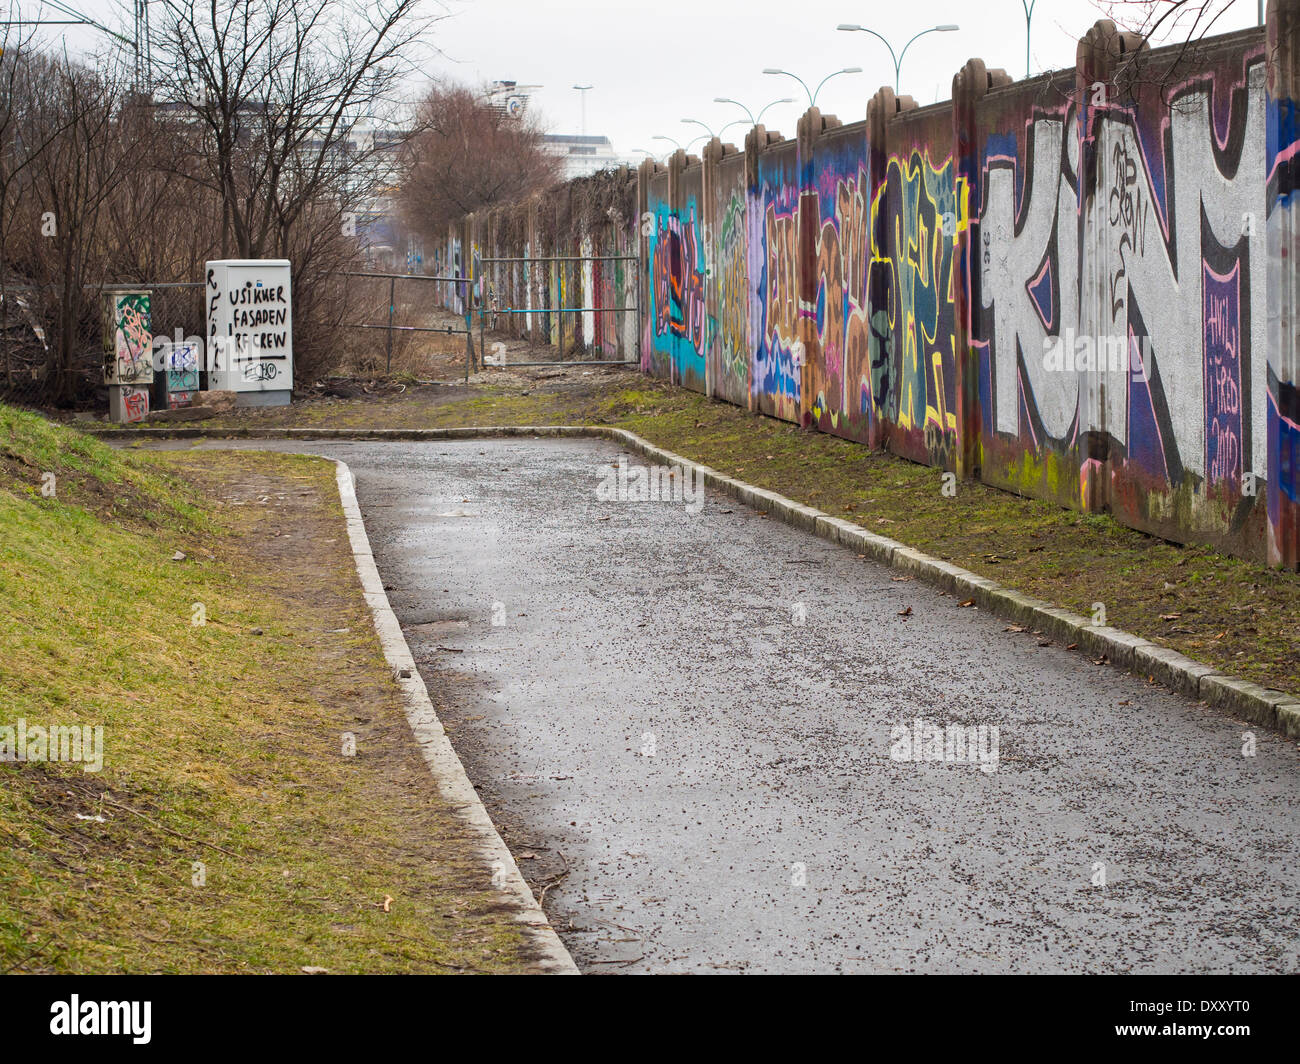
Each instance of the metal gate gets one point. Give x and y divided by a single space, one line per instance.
558 268
392 278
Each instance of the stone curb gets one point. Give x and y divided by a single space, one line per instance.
1240 698
438 754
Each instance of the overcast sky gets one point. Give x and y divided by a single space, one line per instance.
654 62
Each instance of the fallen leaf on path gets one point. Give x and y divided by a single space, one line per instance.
905 612
968 602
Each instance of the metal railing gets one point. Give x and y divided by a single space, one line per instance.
481 282
391 328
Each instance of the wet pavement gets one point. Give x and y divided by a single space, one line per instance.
694 714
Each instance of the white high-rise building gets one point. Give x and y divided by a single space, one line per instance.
583 155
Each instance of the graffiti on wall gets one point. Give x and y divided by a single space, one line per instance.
883 332
841 377
1283 388
1163 361
1027 256
732 256
1221 314
916 213
679 315
774 215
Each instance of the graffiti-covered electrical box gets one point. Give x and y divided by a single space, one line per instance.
128 342
250 330
128 354
181 374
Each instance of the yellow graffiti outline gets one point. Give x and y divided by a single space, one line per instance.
927 176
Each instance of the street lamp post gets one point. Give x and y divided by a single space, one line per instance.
849 27
753 121
697 122
584 90
812 93
1028 5
677 144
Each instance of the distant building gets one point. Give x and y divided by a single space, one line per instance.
509 97
583 155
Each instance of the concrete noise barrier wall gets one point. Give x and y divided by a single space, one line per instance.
1081 286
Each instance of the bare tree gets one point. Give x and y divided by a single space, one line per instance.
468 155
286 95
72 179
22 143
1158 20
1177 31
273 121
286 112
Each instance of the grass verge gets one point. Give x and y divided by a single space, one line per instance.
226 831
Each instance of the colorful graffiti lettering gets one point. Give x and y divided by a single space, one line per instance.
135 404
733 301
775 381
678 311
916 215
182 367
840 377
1222 316
1181 290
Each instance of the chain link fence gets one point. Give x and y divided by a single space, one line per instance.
34 373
